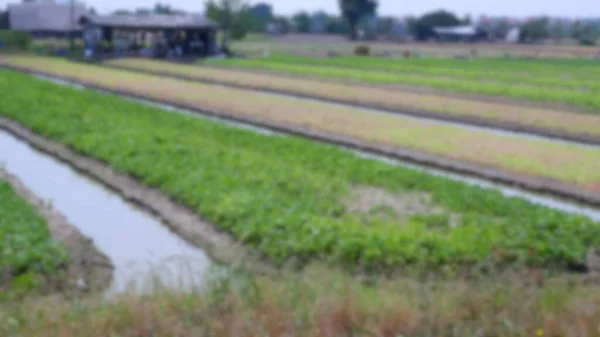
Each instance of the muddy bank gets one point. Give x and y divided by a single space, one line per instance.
443 117
89 269
536 184
183 221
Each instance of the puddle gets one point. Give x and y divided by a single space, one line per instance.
540 199
141 248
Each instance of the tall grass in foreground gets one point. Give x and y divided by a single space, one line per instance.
322 303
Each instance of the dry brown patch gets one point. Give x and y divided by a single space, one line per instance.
379 203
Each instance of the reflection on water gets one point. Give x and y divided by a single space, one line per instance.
139 246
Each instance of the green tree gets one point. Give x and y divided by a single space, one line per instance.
385 25
3 19
557 30
501 29
588 35
233 17
422 28
534 30
302 21
283 24
355 10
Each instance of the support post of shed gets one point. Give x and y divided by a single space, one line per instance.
71 27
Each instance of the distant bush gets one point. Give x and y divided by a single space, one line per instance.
15 39
362 50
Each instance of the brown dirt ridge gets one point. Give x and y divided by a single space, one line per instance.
467 120
534 184
183 221
88 269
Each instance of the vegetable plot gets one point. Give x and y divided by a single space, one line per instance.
289 197
27 250
521 155
574 74
355 94
585 99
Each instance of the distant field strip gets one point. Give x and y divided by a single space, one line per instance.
544 119
576 165
569 74
589 100
290 197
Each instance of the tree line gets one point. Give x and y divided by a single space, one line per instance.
238 17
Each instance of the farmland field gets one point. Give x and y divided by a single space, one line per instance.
29 254
523 156
289 197
322 43
495 78
529 117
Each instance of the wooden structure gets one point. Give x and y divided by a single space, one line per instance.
150 35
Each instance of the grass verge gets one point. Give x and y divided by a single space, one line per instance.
292 198
30 258
322 304
523 156
553 120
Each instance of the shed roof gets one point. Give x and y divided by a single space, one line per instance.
150 21
457 30
41 16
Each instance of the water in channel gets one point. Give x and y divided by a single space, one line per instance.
142 249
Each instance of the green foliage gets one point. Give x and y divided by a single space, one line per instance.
423 26
15 39
534 30
302 21
286 196
355 10
233 16
545 81
27 247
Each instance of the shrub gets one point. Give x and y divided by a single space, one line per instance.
362 50
15 39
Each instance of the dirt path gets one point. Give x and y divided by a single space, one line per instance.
89 268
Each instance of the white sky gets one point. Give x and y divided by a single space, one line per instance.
521 8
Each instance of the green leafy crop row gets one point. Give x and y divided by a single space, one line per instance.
586 99
544 76
289 197
26 244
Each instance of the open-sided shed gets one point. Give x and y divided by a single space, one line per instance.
157 35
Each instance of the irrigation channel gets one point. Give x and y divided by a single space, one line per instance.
443 119
142 249
548 201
